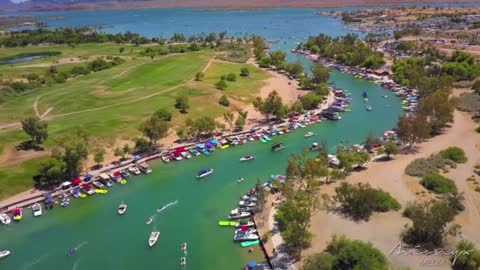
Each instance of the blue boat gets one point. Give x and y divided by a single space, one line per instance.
204 172
206 152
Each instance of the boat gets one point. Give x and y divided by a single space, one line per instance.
368 107
183 261
225 146
124 173
195 152
101 191
236 214
247 158
143 167
247 204
88 189
239 180
76 193
245 230
227 223
17 214
4 253
149 221
245 237
277 147
153 238
123 181
5 219
242 223
36 210
134 170
267 138
250 243
309 134
184 246
165 159
315 146
204 173
186 155
122 208
98 184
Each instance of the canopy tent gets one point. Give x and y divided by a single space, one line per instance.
75 191
16 211
48 198
66 184
86 186
136 158
252 264
88 176
117 175
201 145
180 149
209 145
214 141
76 181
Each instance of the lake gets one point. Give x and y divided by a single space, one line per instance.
105 240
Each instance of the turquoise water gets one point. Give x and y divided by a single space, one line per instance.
22 59
107 241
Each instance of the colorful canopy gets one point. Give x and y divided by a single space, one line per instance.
76 181
88 176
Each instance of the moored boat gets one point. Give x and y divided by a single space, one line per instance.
5 219
134 170
17 214
204 173
98 184
244 223
122 208
368 107
143 167
153 238
36 210
277 147
314 146
4 253
236 214
309 134
247 158
244 236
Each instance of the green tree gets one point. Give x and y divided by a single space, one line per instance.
244 72
438 184
222 84
182 103
199 76
240 122
142 145
201 126
277 58
369 141
295 69
270 106
297 107
430 224
413 129
228 117
476 86
231 77
51 171
467 257
121 49
163 114
118 152
73 151
99 156
390 148
36 129
310 101
126 150
154 128
320 73
224 101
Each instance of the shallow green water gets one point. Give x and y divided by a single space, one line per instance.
108 241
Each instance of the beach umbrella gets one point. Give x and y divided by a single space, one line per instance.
252 264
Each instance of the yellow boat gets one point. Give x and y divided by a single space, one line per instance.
227 223
123 182
83 195
225 146
101 191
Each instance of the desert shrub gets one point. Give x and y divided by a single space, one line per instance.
423 166
438 184
455 154
360 201
224 101
469 259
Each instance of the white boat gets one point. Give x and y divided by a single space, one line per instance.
247 204
122 208
5 219
186 155
134 170
4 253
98 184
245 237
314 146
184 246
143 167
368 107
165 159
247 158
239 180
235 214
309 134
204 173
37 209
250 230
149 221
183 261
153 238
242 223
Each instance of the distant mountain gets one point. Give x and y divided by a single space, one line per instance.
46 5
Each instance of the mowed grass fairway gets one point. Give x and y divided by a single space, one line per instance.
110 104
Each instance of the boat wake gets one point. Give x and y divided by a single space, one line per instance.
166 206
28 266
75 265
81 245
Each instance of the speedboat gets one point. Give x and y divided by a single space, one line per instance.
236 214
134 170
247 158
17 214
183 261
122 208
143 167
194 151
5 219
247 204
153 238
314 146
245 237
184 246
149 221
239 180
4 253
309 134
186 155
124 173
368 107
37 209
76 193
249 230
98 184
165 159
277 147
204 173
242 223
